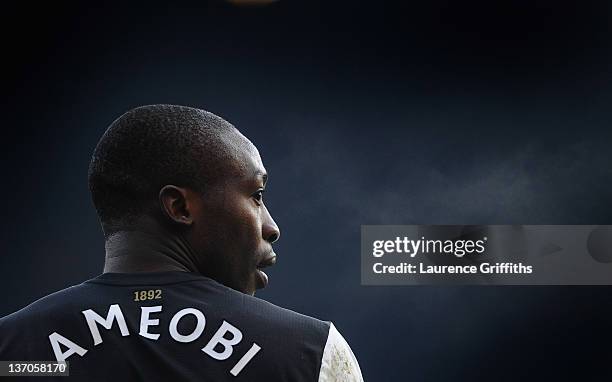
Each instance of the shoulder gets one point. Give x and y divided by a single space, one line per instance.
26 325
338 362
275 317
293 342
45 306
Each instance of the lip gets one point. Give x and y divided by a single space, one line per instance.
262 277
267 261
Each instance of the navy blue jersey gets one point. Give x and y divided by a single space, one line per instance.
175 326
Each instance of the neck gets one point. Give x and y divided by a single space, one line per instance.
148 251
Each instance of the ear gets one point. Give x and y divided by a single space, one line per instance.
176 204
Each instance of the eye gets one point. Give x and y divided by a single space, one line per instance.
259 196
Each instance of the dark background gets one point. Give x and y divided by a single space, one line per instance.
448 112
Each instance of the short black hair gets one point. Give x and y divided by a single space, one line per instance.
152 146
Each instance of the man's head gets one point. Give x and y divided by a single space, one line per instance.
198 177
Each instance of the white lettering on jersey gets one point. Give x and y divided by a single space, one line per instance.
197 332
245 359
219 339
114 312
57 339
145 322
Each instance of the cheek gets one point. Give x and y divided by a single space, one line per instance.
247 226
230 228
239 225
241 214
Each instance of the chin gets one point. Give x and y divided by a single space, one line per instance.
248 288
251 290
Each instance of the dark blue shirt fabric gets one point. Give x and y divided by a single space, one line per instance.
176 326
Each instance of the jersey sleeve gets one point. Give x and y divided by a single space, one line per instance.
338 362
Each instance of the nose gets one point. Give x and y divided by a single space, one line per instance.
269 230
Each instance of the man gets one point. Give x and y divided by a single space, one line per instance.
179 193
